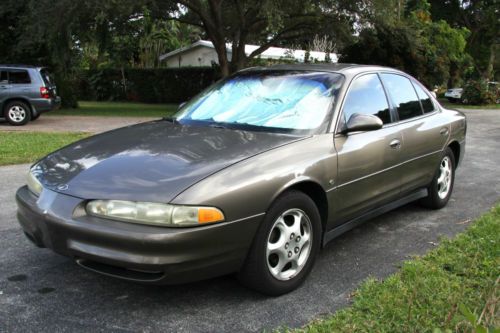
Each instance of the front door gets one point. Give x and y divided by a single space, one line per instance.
4 89
366 160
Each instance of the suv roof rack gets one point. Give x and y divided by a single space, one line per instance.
19 65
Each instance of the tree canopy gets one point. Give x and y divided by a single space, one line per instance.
437 41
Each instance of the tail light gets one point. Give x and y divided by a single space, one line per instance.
44 92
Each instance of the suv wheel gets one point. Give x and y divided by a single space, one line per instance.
17 113
285 246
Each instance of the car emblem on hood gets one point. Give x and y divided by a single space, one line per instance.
62 187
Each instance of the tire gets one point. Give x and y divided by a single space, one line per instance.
17 113
294 222
441 186
451 100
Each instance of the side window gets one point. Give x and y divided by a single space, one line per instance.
366 96
403 95
425 99
3 77
19 77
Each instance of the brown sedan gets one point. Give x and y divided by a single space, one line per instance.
252 176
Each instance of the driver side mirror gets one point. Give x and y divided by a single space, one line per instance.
363 122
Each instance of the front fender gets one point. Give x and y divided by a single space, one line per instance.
250 186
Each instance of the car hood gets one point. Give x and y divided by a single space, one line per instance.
153 161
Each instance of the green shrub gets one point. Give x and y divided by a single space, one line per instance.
163 85
477 92
67 89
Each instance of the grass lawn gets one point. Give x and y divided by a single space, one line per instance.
26 147
455 284
447 104
120 109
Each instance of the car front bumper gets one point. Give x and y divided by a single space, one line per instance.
141 253
454 95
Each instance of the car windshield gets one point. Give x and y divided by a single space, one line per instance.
269 101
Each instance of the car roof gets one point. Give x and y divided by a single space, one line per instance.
346 69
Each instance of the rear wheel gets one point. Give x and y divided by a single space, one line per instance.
17 113
441 186
285 246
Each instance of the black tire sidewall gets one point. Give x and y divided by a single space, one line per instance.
24 106
255 273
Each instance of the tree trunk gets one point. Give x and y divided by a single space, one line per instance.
239 57
220 48
489 69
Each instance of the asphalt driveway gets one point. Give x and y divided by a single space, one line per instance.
74 124
41 291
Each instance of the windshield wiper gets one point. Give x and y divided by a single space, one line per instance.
217 125
171 119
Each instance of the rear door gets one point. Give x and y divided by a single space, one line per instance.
424 132
20 83
366 160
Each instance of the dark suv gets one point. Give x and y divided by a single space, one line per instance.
25 93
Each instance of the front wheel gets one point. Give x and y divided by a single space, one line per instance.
441 186
285 247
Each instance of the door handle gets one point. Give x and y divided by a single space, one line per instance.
395 144
444 131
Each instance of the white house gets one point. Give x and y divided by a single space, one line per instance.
202 53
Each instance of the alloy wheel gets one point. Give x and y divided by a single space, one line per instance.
17 113
289 244
444 180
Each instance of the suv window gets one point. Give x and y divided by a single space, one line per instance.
425 99
46 77
3 77
18 76
403 95
366 96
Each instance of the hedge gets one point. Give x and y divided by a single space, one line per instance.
162 85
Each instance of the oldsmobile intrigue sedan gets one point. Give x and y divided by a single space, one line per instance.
253 176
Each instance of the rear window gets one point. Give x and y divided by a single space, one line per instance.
425 99
403 95
18 76
46 77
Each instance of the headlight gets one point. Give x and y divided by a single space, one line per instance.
34 184
154 213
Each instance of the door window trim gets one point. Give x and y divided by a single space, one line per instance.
348 89
396 120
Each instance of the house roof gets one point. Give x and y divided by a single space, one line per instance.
270 53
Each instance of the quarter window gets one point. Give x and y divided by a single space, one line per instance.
425 99
3 77
366 96
403 95
19 77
